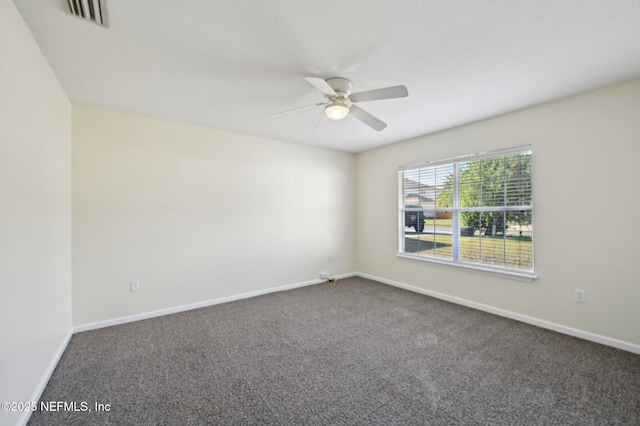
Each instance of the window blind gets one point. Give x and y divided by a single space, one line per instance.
472 210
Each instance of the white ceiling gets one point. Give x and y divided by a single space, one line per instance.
229 64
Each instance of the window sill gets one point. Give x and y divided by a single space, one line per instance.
506 273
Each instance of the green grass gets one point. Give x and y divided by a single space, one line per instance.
477 249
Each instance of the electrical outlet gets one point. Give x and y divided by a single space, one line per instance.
135 285
581 295
325 275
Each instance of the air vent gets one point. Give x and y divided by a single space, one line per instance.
91 10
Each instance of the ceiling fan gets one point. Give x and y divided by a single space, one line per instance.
341 102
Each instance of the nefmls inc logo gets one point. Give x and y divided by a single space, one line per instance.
64 406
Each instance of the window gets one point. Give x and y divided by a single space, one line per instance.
474 211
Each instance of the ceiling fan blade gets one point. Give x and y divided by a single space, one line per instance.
296 109
321 85
377 94
368 119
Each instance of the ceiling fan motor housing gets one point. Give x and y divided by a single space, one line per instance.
341 86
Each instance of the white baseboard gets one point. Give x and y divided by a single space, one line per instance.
47 375
586 335
197 305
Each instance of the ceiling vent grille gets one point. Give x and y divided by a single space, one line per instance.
91 10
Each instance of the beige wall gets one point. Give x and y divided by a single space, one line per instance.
585 176
198 214
35 215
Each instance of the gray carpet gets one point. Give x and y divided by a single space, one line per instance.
353 352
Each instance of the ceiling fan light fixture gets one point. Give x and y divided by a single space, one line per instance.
336 110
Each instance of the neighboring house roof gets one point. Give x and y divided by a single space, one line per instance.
411 187
417 193
417 198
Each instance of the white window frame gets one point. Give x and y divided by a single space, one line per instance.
525 274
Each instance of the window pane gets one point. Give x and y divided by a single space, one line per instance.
492 193
518 164
430 224
420 186
519 253
518 179
470 219
433 241
422 244
492 175
492 250
443 246
504 240
414 245
518 191
469 244
470 191
444 197
428 187
469 183
519 240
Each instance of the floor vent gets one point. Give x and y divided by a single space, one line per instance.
91 10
